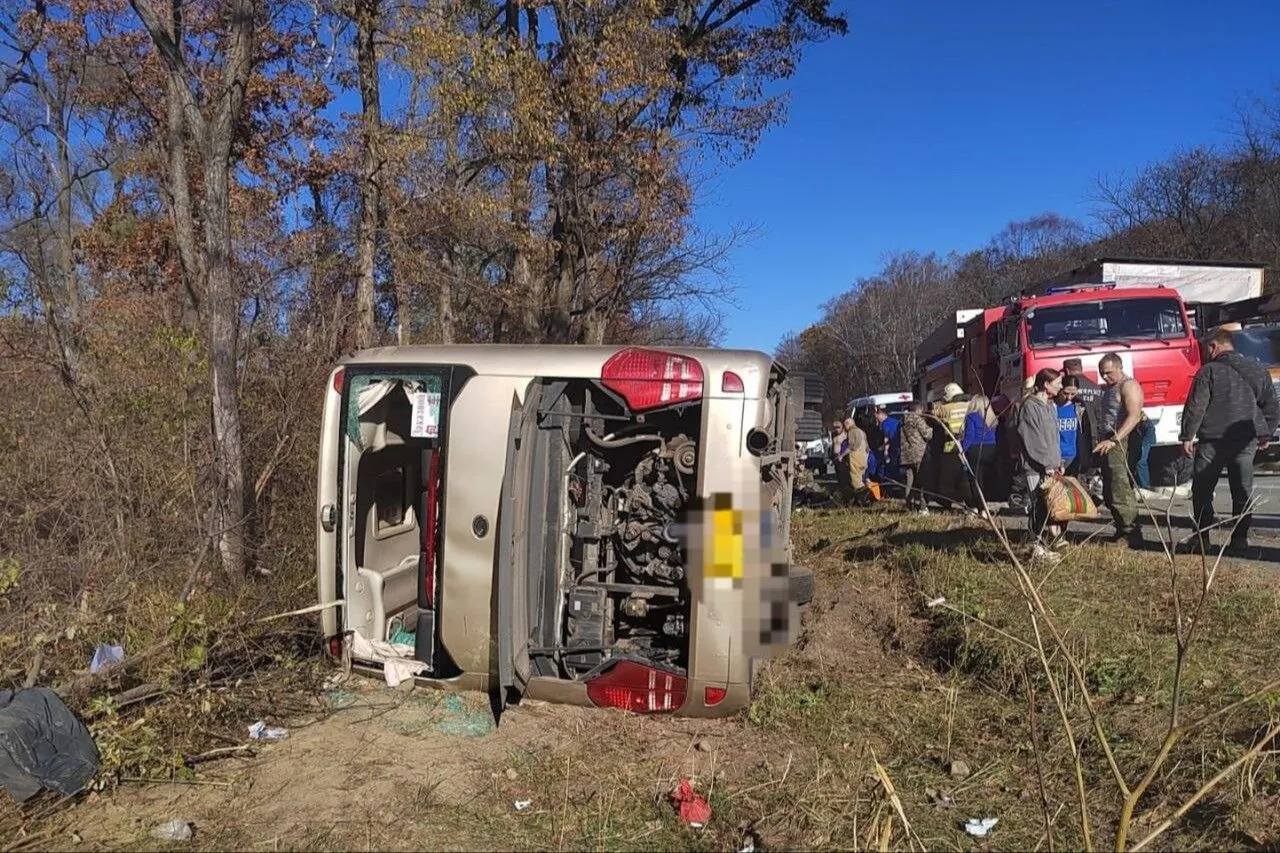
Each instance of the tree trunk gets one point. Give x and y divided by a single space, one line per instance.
366 18
184 225
444 299
453 276
214 136
66 236
63 297
557 326
323 327
597 325
230 500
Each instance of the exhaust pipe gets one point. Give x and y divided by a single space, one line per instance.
758 441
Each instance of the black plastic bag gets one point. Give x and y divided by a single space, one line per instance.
43 745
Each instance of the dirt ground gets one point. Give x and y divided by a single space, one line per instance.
381 768
395 769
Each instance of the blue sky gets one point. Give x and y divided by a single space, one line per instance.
933 124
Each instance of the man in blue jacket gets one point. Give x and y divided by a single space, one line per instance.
892 450
1231 410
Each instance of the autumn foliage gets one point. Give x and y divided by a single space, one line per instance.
205 203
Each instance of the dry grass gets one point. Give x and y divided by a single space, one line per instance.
852 739
881 679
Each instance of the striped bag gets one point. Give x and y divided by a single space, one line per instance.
1067 500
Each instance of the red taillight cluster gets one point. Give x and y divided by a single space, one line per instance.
650 379
338 376
635 687
335 647
731 383
714 696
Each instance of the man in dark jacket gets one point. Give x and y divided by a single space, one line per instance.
1231 409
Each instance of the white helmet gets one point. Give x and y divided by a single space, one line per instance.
951 391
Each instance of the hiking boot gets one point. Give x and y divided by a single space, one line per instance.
1195 546
1239 548
1041 554
1131 538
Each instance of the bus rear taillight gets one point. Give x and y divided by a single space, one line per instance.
635 687
650 379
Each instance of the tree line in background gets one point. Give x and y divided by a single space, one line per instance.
204 203
1199 204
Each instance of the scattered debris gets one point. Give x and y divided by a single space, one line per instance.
959 769
694 809
750 842
979 828
340 699
260 731
459 719
703 745
105 657
511 774
398 663
522 805
43 745
941 798
935 602
172 830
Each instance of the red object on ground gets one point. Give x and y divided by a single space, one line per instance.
693 808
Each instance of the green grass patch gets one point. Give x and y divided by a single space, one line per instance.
1115 610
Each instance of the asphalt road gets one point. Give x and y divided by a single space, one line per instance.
1264 535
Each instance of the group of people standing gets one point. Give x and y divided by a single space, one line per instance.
1064 424
916 452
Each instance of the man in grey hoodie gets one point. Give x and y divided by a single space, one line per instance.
1232 410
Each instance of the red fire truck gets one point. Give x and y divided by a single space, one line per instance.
1123 310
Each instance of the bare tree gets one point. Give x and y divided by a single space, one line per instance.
365 14
43 75
212 126
1258 169
1183 207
